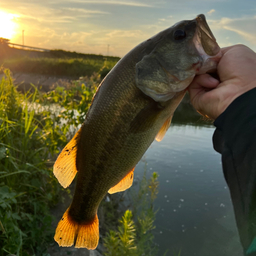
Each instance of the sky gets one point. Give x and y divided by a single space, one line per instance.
114 27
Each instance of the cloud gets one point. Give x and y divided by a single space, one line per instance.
247 36
85 11
211 12
244 27
112 2
65 21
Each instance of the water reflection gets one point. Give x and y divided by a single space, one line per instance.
185 114
195 210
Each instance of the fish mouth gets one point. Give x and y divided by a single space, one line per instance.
206 36
206 46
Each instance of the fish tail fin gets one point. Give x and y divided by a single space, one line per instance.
69 232
66 231
88 235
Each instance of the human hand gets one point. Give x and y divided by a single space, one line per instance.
237 73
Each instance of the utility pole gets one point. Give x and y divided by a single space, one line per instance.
23 38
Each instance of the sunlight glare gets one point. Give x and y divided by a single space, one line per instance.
8 25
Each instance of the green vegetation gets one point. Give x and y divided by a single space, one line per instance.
31 135
54 62
59 66
25 181
133 236
71 55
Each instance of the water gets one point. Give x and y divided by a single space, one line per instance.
195 213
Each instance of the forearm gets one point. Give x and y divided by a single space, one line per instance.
235 139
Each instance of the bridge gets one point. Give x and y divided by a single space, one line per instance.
26 47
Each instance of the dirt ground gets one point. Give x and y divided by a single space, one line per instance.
24 81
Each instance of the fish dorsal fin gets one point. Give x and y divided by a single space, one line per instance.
64 168
124 184
164 129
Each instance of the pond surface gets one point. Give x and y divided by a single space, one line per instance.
195 213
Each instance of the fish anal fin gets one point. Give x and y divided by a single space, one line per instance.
69 232
124 184
163 129
64 168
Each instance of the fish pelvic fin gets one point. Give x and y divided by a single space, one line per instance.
164 129
69 232
64 168
124 184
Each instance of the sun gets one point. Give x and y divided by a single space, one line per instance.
8 25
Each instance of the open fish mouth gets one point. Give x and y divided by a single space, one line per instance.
206 37
206 46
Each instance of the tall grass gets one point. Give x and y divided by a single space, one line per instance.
26 184
58 66
31 135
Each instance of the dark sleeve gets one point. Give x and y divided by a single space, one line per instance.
235 139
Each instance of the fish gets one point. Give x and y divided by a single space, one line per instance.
132 106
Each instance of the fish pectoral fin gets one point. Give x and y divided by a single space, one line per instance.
64 168
86 235
124 184
164 129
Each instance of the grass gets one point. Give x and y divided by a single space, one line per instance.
67 67
24 179
31 136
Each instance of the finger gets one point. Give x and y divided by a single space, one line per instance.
200 86
236 46
202 83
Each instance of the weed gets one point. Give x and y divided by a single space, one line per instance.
31 135
133 236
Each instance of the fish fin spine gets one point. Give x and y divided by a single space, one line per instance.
64 168
163 129
83 235
124 184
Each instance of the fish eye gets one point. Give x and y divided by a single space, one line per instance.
179 34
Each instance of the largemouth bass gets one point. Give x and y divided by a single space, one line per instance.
133 105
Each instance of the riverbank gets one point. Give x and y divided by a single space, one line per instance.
42 82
